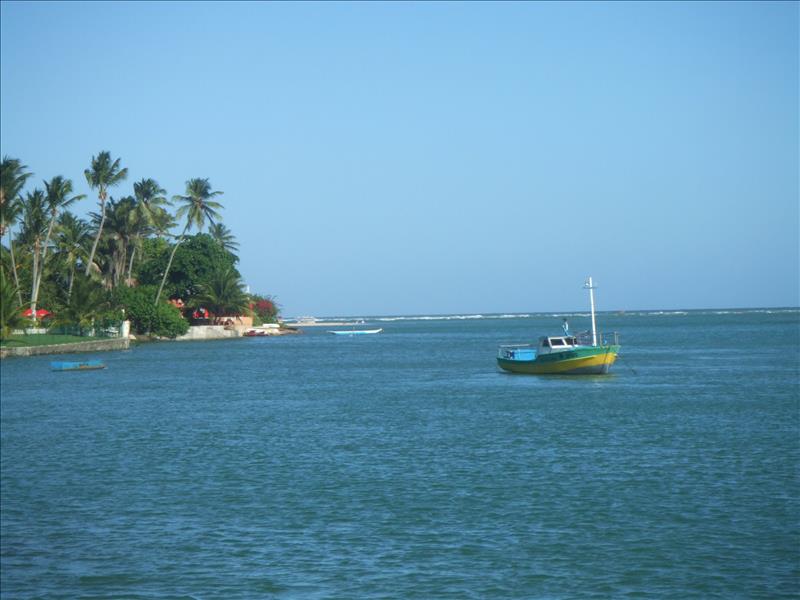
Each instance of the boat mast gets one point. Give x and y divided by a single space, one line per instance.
588 286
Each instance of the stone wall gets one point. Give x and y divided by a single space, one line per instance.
94 346
208 332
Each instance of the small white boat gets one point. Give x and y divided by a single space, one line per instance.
355 331
260 330
304 321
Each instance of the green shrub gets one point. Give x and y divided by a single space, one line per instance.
168 321
163 319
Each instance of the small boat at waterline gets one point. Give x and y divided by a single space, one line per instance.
263 330
587 353
356 331
84 365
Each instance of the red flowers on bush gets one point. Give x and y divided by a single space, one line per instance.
264 308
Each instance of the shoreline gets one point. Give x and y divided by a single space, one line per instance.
203 333
319 324
108 345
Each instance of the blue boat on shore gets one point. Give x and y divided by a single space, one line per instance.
84 365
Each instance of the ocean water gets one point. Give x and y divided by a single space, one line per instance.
406 465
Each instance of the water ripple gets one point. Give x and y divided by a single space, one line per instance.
407 466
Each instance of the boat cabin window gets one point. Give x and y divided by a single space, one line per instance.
546 343
557 342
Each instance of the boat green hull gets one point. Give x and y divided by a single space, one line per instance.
589 360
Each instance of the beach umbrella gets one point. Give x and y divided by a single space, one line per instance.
41 313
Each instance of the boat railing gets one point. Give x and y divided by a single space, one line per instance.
603 338
512 350
584 338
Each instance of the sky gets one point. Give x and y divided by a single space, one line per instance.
432 158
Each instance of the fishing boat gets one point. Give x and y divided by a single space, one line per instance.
84 365
355 331
586 353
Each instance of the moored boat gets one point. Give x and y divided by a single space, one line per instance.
356 331
84 365
588 353
262 330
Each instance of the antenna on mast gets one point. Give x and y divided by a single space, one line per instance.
588 286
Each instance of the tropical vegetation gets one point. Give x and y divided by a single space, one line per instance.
124 261
264 308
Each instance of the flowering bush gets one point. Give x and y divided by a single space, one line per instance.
264 309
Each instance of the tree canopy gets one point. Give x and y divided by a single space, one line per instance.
195 260
90 270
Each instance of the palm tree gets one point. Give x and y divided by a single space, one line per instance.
12 179
224 237
72 243
34 227
11 211
10 315
122 226
223 293
163 221
198 207
57 196
86 303
149 197
149 215
102 175
138 229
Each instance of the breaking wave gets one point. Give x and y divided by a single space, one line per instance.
550 314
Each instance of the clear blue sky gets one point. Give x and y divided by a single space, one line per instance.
404 158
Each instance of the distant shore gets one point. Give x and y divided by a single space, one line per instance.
318 324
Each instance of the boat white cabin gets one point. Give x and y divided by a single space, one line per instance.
546 345
549 344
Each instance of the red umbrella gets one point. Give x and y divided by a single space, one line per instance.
39 313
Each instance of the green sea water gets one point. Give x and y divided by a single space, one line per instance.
406 465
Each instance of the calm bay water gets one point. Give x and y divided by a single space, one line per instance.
405 465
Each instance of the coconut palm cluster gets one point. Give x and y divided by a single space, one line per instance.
138 248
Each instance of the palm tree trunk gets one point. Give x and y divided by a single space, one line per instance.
120 267
14 267
117 264
35 275
128 280
71 280
38 281
97 237
169 264
123 261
